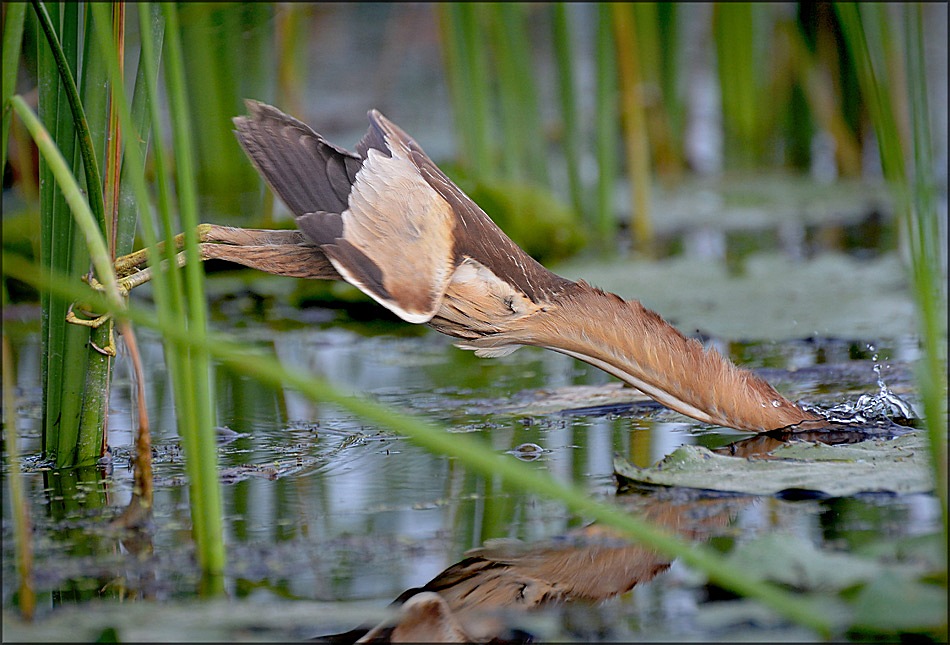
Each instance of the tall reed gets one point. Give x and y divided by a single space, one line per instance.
562 36
636 138
22 543
14 20
194 391
71 362
180 299
468 83
229 49
914 187
181 303
606 128
928 256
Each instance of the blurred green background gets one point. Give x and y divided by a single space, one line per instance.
562 120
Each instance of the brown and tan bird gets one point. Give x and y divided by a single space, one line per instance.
392 224
389 222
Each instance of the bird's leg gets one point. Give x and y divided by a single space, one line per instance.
281 252
129 275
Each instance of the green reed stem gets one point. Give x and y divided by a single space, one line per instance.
205 490
454 74
877 94
229 49
916 207
564 63
188 366
735 53
65 347
468 73
151 34
926 254
133 192
22 543
83 445
74 197
514 152
14 20
658 48
606 127
95 90
86 149
518 91
636 138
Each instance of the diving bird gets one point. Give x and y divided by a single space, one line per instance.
387 220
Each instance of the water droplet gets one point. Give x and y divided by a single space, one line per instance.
776 404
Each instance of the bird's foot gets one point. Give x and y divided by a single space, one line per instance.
78 314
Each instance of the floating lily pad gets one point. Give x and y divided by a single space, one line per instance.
893 603
898 465
858 593
775 298
874 594
794 561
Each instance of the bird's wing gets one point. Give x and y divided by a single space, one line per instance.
306 171
398 232
383 227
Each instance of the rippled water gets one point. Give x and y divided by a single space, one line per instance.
321 506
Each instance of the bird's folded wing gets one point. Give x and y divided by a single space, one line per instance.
383 227
398 232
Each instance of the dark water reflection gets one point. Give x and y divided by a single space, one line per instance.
320 506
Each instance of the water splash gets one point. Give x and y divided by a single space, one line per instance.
884 406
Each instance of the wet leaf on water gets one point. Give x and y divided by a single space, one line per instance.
929 551
899 465
795 562
830 295
893 603
867 594
740 620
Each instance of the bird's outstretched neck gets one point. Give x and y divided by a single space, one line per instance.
633 343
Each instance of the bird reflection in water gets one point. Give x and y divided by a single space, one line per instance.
481 597
478 598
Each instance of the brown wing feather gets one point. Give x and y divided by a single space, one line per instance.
400 226
384 228
306 171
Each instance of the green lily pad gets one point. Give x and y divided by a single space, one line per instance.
898 465
893 603
794 561
870 596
